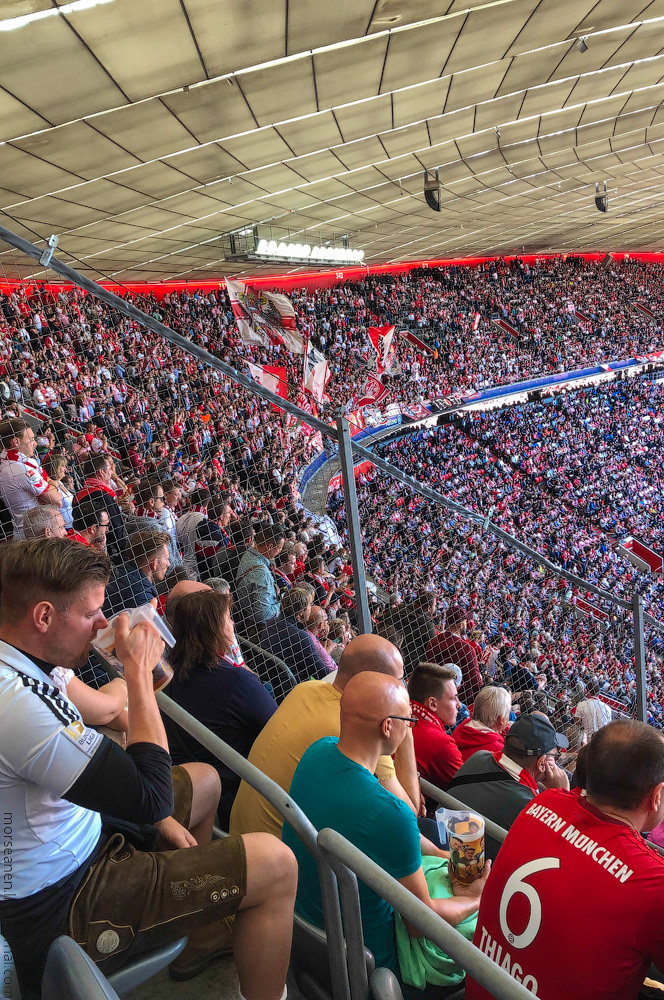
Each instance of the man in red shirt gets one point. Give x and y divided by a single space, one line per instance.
450 646
566 850
434 703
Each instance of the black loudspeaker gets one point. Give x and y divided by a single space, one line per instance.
432 189
601 198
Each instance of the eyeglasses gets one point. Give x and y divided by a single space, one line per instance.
410 720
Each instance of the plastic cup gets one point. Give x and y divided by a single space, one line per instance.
465 834
104 642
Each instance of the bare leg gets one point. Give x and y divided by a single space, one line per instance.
264 922
204 802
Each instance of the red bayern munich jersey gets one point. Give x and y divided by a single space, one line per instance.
573 906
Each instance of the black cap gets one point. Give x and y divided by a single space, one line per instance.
533 735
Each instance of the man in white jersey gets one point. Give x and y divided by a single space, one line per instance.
23 484
71 797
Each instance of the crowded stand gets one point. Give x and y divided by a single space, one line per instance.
134 479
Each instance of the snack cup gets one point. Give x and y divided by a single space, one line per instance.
465 832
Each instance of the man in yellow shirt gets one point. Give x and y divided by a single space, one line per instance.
310 712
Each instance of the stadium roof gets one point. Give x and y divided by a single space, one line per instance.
141 131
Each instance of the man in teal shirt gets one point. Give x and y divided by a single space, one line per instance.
334 785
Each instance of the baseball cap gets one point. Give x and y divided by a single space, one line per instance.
534 735
455 614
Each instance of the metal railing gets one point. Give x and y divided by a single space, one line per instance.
339 851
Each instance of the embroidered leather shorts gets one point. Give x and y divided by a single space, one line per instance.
134 901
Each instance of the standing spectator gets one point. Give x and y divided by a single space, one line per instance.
589 849
450 646
414 621
133 583
491 719
23 483
434 703
500 785
255 589
231 702
150 515
591 713
99 471
55 468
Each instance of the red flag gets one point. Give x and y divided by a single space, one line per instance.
416 342
381 338
373 392
271 377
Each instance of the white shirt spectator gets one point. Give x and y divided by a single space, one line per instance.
592 714
22 481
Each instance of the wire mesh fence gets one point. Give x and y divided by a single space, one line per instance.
151 446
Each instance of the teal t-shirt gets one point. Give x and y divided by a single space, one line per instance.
335 792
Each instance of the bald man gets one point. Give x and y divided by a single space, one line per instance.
335 786
308 713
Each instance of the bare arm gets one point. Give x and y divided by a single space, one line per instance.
454 910
140 651
406 769
98 707
51 496
394 785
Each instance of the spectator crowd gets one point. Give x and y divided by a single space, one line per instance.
144 478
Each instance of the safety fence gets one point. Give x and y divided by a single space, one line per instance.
163 397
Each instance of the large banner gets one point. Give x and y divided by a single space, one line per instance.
316 374
266 318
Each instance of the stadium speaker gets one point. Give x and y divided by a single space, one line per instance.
606 260
601 198
432 189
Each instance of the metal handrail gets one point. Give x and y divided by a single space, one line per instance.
491 829
499 984
292 814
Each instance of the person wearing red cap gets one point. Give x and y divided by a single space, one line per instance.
450 646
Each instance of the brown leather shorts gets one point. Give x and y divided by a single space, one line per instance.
134 901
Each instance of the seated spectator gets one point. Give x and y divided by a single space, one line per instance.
334 785
70 868
43 522
99 472
133 583
491 719
499 785
340 634
314 568
90 523
234 653
255 590
591 713
589 849
450 646
284 567
23 484
288 638
232 703
434 703
523 676
309 712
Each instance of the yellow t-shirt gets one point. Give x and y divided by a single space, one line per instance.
307 714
